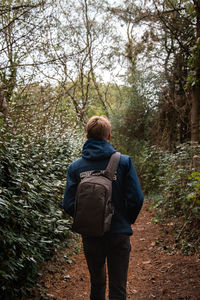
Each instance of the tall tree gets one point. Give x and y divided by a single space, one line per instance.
65 45
81 42
195 67
19 25
170 31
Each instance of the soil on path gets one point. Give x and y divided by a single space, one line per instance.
154 271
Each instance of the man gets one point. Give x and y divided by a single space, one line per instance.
127 197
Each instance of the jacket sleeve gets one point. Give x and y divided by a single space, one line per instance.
133 195
70 192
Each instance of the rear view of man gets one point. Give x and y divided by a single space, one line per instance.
113 248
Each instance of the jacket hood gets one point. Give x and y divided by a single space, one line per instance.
95 149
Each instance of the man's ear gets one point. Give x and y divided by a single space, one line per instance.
87 136
109 137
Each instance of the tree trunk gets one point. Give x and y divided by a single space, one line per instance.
3 104
195 114
195 110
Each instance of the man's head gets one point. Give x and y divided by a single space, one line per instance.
99 127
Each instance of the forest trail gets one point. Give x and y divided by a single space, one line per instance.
156 271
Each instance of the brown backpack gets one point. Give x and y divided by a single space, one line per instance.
93 204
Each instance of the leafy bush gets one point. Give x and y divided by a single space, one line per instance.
147 164
32 224
193 199
132 118
171 175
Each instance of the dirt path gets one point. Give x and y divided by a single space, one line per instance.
154 272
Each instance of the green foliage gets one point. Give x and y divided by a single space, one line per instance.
172 177
148 168
193 63
193 198
32 178
131 119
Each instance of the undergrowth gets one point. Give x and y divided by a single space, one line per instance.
176 183
32 224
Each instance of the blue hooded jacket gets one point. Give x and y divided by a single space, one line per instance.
126 191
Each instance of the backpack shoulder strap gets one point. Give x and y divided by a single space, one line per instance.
112 165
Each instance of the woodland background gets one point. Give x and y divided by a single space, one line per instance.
138 62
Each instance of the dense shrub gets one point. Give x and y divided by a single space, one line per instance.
147 163
32 178
172 177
